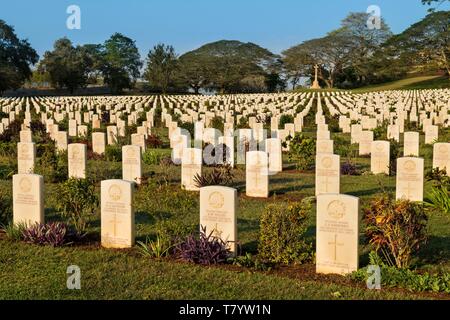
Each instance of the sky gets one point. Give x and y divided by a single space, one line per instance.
188 24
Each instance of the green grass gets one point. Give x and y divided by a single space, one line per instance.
32 272
413 83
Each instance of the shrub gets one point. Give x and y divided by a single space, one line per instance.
285 118
204 249
77 201
113 153
282 233
348 168
11 134
221 175
51 165
216 123
155 249
404 278
154 156
153 141
439 197
396 229
5 209
14 231
302 151
54 234
249 261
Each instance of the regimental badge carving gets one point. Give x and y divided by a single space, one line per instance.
336 209
379 147
443 149
409 166
216 200
131 153
25 185
327 162
115 192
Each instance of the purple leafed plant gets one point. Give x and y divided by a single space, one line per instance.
349 169
53 234
204 250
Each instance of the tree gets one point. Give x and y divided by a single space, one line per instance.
425 46
67 66
120 63
227 66
16 56
431 2
162 62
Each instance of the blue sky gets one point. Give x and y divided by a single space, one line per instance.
187 24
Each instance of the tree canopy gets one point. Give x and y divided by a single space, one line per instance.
16 56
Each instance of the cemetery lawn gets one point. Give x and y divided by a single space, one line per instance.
33 272
412 83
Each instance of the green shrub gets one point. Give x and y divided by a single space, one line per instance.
438 198
155 249
77 200
113 153
396 229
52 165
13 231
282 233
302 151
285 118
154 156
5 209
393 277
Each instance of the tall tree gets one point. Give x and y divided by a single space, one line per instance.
162 62
16 56
120 63
67 66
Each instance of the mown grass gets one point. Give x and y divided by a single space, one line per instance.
32 272
413 83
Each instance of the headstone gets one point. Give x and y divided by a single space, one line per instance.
431 134
117 214
410 178
191 166
441 156
98 142
61 141
28 199
411 144
328 176
380 157
26 136
337 234
26 157
365 142
77 160
257 175
218 207
131 164
273 148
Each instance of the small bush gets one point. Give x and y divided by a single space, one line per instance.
349 169
154 156
5 209
221 175
153 141
77 201
54 234
393 277
282 233
249 261
302 151
204 249
14 231
285 118
113 153
155 249
396 229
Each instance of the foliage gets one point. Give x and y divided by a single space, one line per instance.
393 277
77 200
285 118
161 65
282 233
204 249
13 231
54 234
154 249
153 141
67 66
348 168
5 208
11 134
120 62
438 198
250 261
16 56
113 153
302 151
154 156
52 165
221 175
396 229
